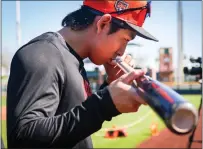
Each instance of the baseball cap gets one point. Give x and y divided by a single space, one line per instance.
132 12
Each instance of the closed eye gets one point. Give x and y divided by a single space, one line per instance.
127 39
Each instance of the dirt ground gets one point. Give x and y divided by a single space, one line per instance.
3 113
166 139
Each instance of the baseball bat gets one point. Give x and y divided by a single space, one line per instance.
179 115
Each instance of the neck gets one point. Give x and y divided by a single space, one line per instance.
77 40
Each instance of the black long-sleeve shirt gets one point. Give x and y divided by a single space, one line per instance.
48 101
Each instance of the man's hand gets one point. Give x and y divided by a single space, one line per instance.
114 72
124 95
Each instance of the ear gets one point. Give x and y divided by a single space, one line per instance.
103 22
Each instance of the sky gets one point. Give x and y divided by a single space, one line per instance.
38 17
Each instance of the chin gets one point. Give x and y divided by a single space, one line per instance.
97 61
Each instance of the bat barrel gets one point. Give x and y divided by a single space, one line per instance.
184 118
179 115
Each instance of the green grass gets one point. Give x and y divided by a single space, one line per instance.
3 123
139 132
3 132
3 101
136 134
141 129
4 78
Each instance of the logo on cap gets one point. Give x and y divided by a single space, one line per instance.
121 5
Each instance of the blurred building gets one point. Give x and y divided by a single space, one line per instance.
152 73
95 74
166 72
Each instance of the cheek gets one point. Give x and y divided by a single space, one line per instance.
109 49
112 45
105 48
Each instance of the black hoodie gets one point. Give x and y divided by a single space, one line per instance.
49 101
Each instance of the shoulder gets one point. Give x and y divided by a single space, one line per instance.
38 54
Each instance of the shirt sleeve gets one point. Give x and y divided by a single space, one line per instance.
34 89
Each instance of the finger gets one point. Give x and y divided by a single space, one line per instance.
132 91
145 70
137 98
141 100
133 83
119 72
129 77
115 66
123 56
112 63
136 107
127 59
132 63
139 73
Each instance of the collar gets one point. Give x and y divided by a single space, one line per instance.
81 63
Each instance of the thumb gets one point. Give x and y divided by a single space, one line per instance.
129 77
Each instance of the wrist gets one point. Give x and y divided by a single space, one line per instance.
109 109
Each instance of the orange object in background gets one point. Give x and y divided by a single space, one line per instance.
154 129
115 133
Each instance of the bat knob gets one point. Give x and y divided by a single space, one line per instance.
185 118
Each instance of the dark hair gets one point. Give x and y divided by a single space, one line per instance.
83 18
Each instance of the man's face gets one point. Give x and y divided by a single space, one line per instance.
106 47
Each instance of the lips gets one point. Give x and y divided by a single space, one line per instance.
114 58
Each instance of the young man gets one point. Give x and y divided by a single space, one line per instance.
49 101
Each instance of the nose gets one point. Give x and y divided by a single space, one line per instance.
122 51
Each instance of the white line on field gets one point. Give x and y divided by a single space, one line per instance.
128 125
138 121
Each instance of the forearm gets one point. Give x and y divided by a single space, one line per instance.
69 128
